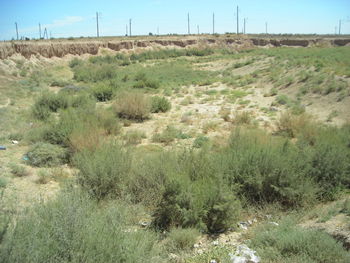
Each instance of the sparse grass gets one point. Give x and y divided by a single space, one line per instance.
242 117
210 126
169 135
182 239
134 137
290 243
19 170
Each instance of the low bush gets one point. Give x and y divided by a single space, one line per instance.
102 92
134 137
200 141
182 238
290 243
242 117
46 155
19 170
169 135
49 102
160 104
268 169
103 172
133 106
74 228
202 204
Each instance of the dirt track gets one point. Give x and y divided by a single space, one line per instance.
60 48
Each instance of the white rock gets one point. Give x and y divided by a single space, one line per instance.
213 261
274 223
14 142
215 243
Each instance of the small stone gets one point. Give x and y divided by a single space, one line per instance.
215 243
274 223
213 261
196 245
14 142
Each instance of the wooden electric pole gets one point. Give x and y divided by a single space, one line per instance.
16 30
97 28
188 24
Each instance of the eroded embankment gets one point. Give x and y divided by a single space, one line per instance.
59 48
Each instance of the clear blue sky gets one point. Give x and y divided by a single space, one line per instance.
76 18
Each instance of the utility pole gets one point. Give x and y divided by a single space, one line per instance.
188 24
45 33
126 29
39 31
244 25
335 31
16 30
339 26
50 35
237 22
98 30
158 31
198 29
213 23
130 27
266 28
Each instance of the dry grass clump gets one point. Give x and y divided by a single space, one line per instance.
243 117
294 125
133 106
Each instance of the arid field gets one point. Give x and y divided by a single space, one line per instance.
175 149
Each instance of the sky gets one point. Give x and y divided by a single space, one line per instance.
75 18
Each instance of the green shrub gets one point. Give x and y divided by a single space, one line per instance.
49 102
268 169
182 239
290 243
94 72
3 182
200 141
329 159
203 203
18 170
44 177
133 106
102 92
169 135
75 62
102 172
134 137
74 228
282 99
46 155
160 104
